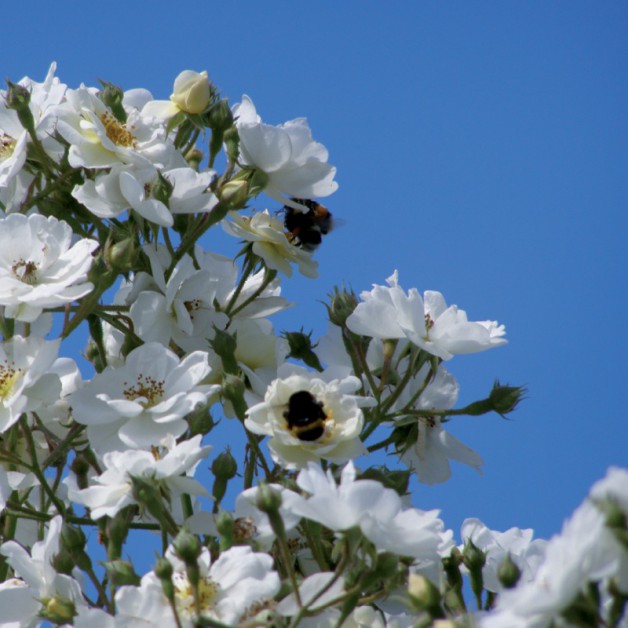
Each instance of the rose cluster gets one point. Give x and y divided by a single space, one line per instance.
105 199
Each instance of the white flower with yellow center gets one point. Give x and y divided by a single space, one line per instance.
230 588
28 377
112 490
40 267
99 140
141 403
310 416
443 331
269 240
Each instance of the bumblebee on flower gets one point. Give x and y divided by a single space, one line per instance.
310 416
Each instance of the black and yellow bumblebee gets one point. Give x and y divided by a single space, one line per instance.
307 228
305 416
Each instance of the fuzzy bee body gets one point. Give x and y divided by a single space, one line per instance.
306 229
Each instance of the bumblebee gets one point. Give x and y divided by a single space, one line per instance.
305 416
306 229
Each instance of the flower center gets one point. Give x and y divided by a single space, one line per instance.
147 388
429 323
184 595
305 416
117 132
25 271
7 145
9 374
244 529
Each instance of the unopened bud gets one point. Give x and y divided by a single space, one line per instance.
121 572
225 465
120 256
225 525
472 556
18 98
301 348
192 91
80 467
424 594
232 143
341 305
220 117
72 538
506 398
225 344
112 96
268 499
187 546
58 610
194 158
508 572
63 562
234 194
224 469
163 570
502 399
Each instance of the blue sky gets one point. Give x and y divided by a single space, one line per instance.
481 151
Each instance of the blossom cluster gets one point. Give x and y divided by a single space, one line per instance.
105 198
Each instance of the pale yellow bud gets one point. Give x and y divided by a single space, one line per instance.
191 91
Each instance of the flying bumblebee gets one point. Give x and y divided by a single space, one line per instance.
307 228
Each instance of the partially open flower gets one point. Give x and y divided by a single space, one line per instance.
191 94
269 241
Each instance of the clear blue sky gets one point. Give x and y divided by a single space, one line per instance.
481 150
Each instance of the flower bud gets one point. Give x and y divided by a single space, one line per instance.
120 256
72 538
121 572
194 158
234 194
232 143
219 117
225 525
187 547
18 98
117 531
162 190
164 570
112 96
224 469
508 572
502 399
424 594
301 348
63 562
200 421
80 468
268 499
225 344
341 306
505 398
225 465
472 556
57 610
191 91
